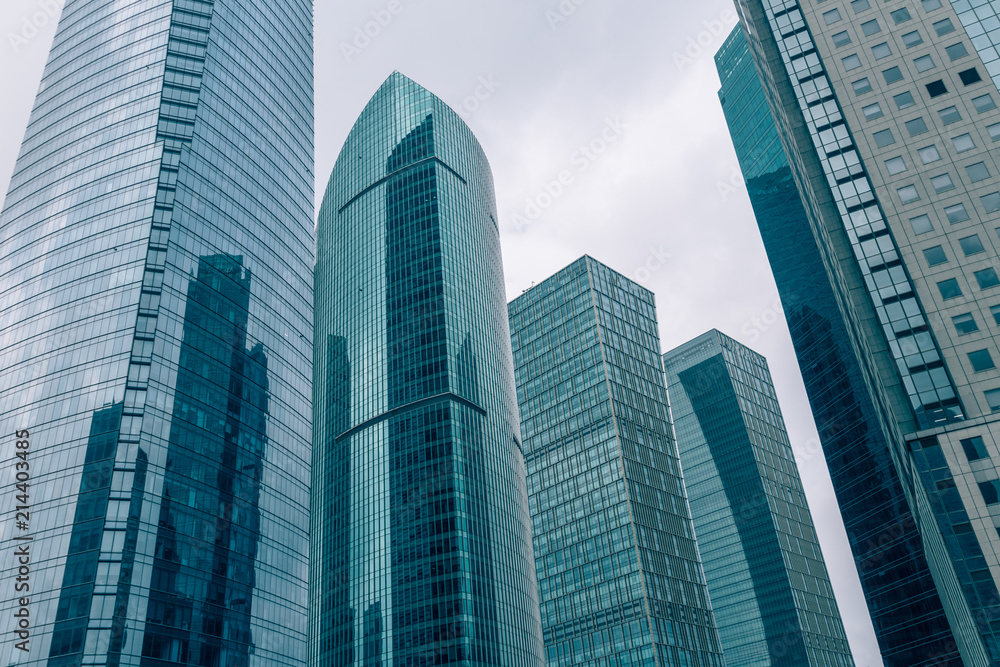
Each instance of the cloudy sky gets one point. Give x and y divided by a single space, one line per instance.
539 82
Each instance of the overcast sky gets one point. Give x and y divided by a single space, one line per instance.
653 203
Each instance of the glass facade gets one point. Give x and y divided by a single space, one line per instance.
421 548
156 252
620 576
766 574
903 601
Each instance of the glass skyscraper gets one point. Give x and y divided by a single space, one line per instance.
888 112
421 542
773 601
620 577
156 252
909 621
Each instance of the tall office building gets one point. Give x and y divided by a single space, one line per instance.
421 542
766 575
620 577
156 255
888 113
906 612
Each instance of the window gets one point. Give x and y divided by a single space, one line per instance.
994 131
956 51
892 75
949 289
956 213
942 183
931 5
851 62
950 115
935 256
895 165
924 63
987 278
903 100
860 5
981 361
908 194
881 51
984 103
970 76
993 399
911 39
963 142
944 27
870 28
900 16
975 448
841 39
936 88
872 111
978 172
916 126
965 324
831 16
990 491
929 154
995 312
921 224
991 202
971 245
884 138
861 86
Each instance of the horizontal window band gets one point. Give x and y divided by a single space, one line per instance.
424 402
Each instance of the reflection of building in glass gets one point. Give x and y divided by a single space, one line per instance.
170 148
765 570
421 549
620 577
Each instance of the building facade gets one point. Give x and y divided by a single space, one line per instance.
906 611
421 543
620 576
156 254
766 575
888 113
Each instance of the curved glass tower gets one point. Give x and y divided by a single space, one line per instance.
421 541
156 249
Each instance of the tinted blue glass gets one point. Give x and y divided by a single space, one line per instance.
156 245
620 578
906 610
421 536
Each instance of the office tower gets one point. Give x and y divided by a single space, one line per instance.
906 612
766 575
421 542
620 577
888 112
156 254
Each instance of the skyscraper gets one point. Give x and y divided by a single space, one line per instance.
906 612
155 289
766 575
888 113
620 577
421 543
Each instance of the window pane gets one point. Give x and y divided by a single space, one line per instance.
924 63
978 172
949 289
994 131
892 75
936 88
990 491
860 5
944 27
870 27
831 16
841 38
956 213
963 142
912 38
903 100
921 224
929 154
965 324
861 86
942 183
935 256
908 194
884 138
872 111
971 245
987 278
993 399
931 5
984 103
970 76
995 312
881 51
991 202
851 62
900 16
916 126
975 448
956 51
950 115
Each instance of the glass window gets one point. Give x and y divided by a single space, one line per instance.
892 75
870 28
861 86
881 51
994 131
921 224
991 202
950 115
860 5
851 62
970 76
935 256
842 38
924 63
908 194
978 172
929 154
965 324
987 278
831 16
990 491
971 245
995 312
975 448
956 51
942 183
916 126
984 103
936 88
903 100
944 26
931 5
900 16
912 38
872 111
895 165
993 399
884 138
949 289
956 213
963 142
981 360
